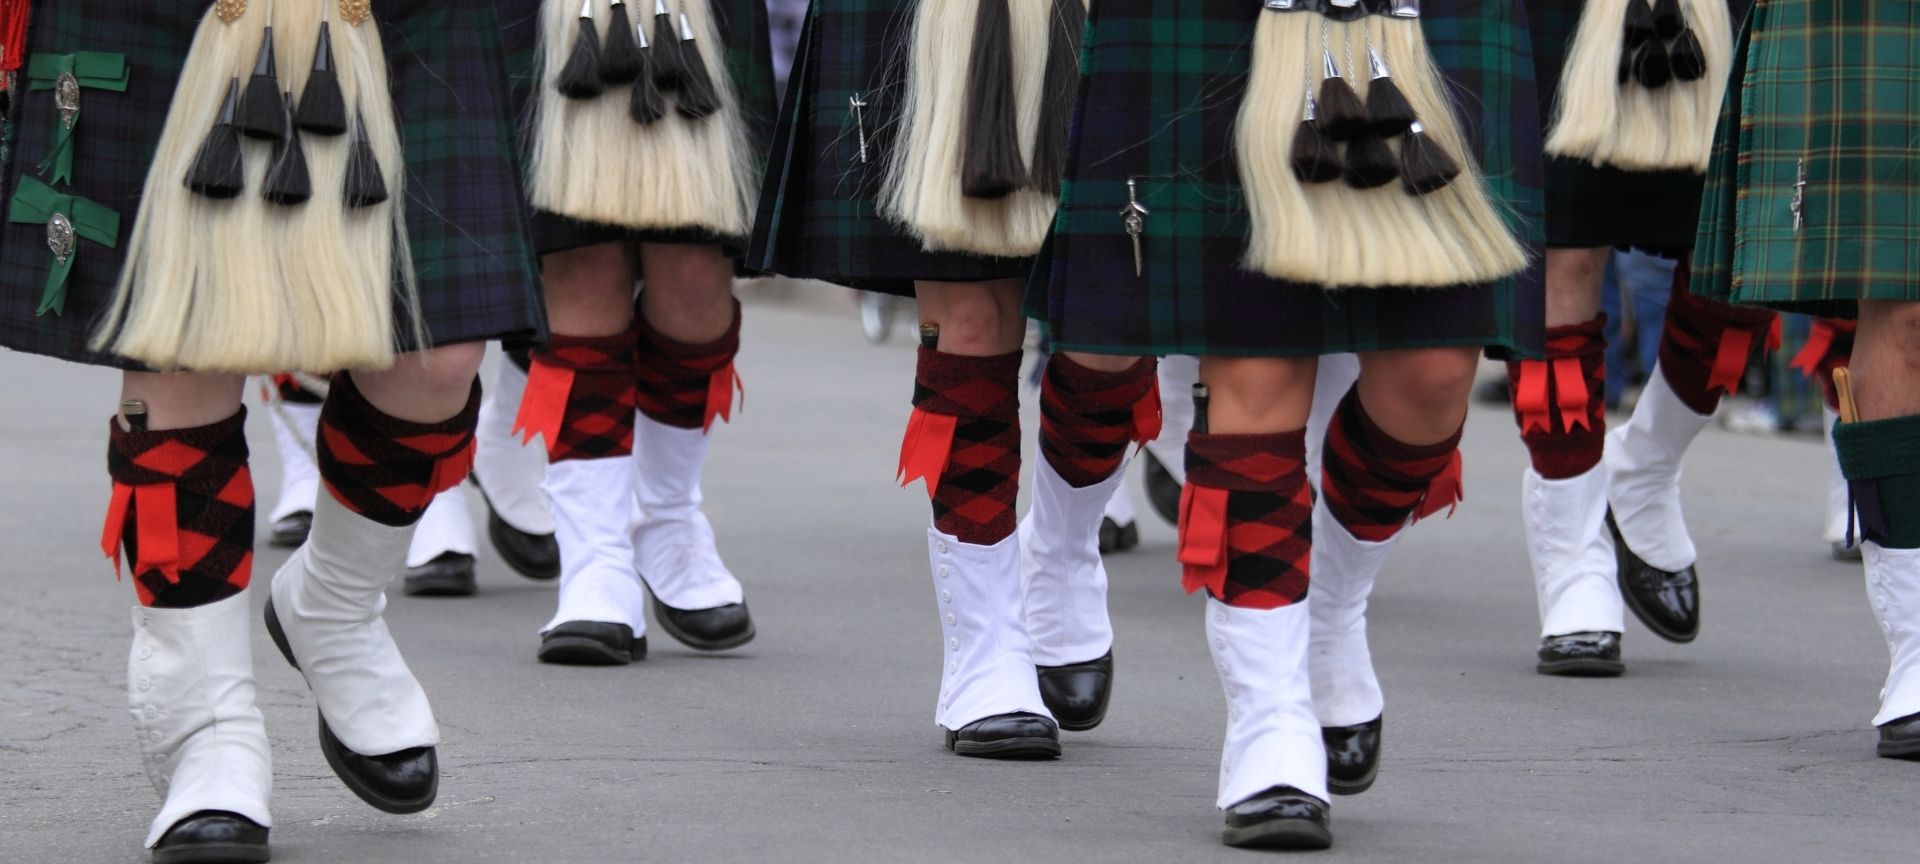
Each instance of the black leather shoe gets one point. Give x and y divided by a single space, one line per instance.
1115 537
1353 756
591 643
1668 603
1588 654
448 575
1163 492
1900 739
1280 818
1007 736
291 530
212 837
715 629
535 556
1077 693
404 781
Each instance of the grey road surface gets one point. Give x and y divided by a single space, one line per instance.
816 742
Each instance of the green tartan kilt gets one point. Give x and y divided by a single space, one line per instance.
467 224
743 26
1813 195
1161 87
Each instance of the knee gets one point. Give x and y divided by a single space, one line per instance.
1268 394
691 273
1431 381
980 326
444 369
1900 324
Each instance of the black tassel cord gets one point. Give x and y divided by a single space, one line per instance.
697 97
990 160
217 171
620 59
288 182
365 185
260 110
322 109
580 76
1064 31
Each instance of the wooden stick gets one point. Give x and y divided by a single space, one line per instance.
1843 391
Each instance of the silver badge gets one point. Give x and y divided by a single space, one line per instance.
60 237
66 98
1133 219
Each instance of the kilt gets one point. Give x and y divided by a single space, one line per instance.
743 26
1813 198
1161 87
1589 206
818 217
471 245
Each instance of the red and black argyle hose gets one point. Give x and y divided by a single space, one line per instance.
964 440
1246 518
1376 484
687 385
1705 344
580 397
182 508
1560 402
1089 417
385 468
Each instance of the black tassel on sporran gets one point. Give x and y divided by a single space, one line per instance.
260 105
217 170
288 182
1064 29
322 109
697 97
1342 115
644 102
1370 162
1388 111
990 162
1425 166
669 68
366 185
580 77
1314 157
620 59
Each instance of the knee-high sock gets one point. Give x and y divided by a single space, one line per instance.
1374 484
1881 459
964 439
183 509
1246 518
1559 401
1704 344
385 468
686 385
1088 417
580 397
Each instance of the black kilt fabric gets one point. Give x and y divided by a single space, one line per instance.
1588 206
470 241
1161 89
817 217
743 27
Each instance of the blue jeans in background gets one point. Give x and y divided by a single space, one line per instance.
1640 282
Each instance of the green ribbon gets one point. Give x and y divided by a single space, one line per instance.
36 203
96 69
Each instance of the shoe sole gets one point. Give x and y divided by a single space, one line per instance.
497 528
1078 725
1280 834
352 782
1008 748
1354 787
439 586
582 651
1582 668
213 853
1902 750
690 641
1620 554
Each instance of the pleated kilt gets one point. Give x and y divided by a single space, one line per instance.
1813 194
470 240
1656 211
817 217
743 27
1161 87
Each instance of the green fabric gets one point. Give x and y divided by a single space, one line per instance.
36 203
1813 200
96 69
1881 461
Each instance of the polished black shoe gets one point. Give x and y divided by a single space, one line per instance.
212 837
448 575
1007 736
715 629
1163 492
1353 756
1077 693
1280 818
291 530
1588 654
535 556
404 781
591 643
1668 603
1900 739
1115 537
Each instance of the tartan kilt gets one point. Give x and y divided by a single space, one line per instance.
818 217
470 241
1825 87
743 27
1159 96
1588 206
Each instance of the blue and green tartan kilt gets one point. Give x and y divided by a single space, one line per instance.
1588 206
1813 193
743 27
817 217
1162 83
470 239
